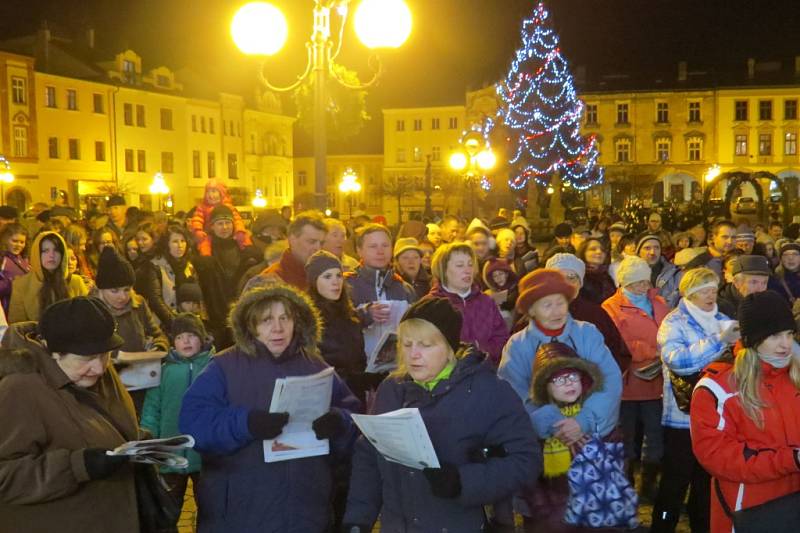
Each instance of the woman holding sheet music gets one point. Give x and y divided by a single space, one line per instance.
227 411
484 441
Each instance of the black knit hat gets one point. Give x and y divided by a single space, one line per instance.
188 323
763 314
221 212
441 313
319 263
9 212
113 271
115 200
562 230
80 325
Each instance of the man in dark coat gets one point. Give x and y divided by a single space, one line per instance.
750 275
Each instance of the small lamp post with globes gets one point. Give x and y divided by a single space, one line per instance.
473 159
159 188
349 186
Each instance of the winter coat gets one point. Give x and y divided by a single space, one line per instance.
639 331
685 350
137 325
24 305
586 311
12 267
598 285
370 285
200 223
162 404
47 424
157 283
600 412
751 465
238 491
667 279
287 270
482 322
728 300
421 284
459 420
342 344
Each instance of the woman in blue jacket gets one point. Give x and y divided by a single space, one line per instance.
277 330
478 427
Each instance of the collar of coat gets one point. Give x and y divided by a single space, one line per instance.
469 361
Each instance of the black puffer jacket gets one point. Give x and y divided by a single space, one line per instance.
342 344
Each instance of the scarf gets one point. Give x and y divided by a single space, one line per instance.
642 301
441 376
706 319
557 457
776 361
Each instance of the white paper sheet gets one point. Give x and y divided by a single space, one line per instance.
305 398
379 343
400 436
163 452
139 376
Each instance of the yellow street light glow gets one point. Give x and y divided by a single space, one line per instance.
383 23
258 201
458 161
550 190
712 173
259 28
159 186
486 159
328 212
7 177
349 183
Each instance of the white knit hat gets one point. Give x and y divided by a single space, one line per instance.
567 262
633 269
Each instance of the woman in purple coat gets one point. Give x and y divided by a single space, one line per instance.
13 242
454 267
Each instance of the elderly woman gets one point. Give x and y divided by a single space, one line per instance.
746 416
483 439
277 330
691 337
62 406
454 269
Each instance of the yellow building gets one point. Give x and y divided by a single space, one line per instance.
368 168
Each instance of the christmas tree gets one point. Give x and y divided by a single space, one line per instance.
542 113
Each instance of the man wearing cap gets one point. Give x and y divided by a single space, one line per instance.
750 275
665 276
745 239
562 235
116 209
408 263
64 214
788 272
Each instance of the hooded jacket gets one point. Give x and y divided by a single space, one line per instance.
459 420
25 289
137 325
200 223
238 491
47 423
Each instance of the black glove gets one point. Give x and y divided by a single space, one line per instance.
355 528
264 425
445 482
99 465
328 425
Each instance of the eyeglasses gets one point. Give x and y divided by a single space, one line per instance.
564 379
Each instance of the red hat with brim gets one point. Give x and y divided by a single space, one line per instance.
540 283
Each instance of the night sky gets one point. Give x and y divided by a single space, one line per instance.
454 45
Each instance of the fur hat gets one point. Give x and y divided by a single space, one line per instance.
554 357
113 271
540 283
633 269
80 325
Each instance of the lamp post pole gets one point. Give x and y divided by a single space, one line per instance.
321 49
428 189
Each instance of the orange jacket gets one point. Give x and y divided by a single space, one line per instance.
639 331
750 466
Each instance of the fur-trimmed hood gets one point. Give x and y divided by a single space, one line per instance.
307 324
549 361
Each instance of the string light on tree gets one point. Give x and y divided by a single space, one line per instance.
541 110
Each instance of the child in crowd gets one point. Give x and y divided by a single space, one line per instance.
191 351
502 282
200 223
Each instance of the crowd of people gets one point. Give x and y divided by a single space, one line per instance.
658 365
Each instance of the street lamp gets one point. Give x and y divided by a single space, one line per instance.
159 188
259 28
350 185
474 158
258 201
5 177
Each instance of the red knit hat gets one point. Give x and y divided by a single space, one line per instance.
540 283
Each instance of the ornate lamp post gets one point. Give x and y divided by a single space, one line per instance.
261 29
473 159
5 177
350 185
258 201
159 188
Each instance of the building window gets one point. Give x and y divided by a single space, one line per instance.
127 112
166 119
99 151
20 141
203 124
50 96
400 125
765 110
740 110
436 153
210 125
72 99
18 90
224 128
453 123
417 124
212 165
140 116
52 147
790 144
162 80
790 109
694 112
765 144
623 148
417 154
194 122
141 161
401 155
128 160
740 144
434 123
74 149
167 162
622 113
662 149
196 170
97 103
128 71
591 114
662 112
695 148
301 178
233 166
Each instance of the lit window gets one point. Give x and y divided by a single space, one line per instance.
740 144
765 144
790 144
18 90
436 153
662 149
167 162
20 141
622 113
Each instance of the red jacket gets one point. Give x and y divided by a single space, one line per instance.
751 465
639 331
200 223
